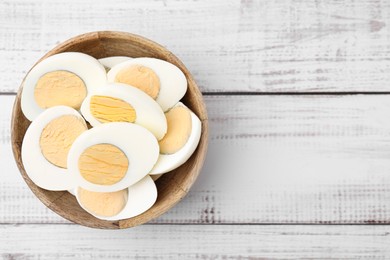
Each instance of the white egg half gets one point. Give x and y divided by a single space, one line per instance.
72 191
42 172
140 197
90 73
168 162
173 83
156 177
147 112
110 62
138 145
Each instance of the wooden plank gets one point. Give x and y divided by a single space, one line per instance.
195 242
271 159
229 45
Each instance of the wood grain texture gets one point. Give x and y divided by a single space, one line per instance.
195 242
255 46
271 159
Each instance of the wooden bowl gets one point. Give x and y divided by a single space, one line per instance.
173 186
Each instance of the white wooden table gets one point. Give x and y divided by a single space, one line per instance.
299 106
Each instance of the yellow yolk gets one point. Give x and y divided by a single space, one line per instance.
140 77
58 136
60 88
109 109
103 164
105 204
179 130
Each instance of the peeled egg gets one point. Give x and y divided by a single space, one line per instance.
181 140
110 62
46 145
112 156
62 79
161 80
73 191
121 204
118 102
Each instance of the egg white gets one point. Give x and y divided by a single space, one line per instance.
173 83
138 144
110 62
72 191
169 162
43 173
84 66
141 196
148 112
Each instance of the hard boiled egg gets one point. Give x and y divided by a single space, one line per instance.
181 140
121 204
112 156
61 79
46 145
118 102
161 80
110 62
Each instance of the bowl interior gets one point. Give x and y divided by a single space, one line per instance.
173 186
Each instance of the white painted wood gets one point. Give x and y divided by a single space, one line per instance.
229 45
195 242
272 159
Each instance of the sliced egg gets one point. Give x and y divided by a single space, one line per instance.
73 191
122 204
161 80
112 156
46 146
110 62
61 79
118 102
181 140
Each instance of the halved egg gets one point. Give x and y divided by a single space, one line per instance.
156 177
161 80
61 79
46 145
112 156
180 141
110 62
73 191
122 204
118 102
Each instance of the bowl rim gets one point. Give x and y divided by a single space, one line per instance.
200 152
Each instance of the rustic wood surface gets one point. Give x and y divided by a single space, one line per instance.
229 45
297 95
195 242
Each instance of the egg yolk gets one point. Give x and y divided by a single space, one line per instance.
103 164
109 109
105 204
58 136
140 77
60 88
179 130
